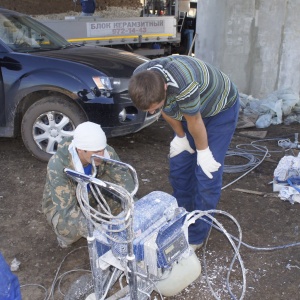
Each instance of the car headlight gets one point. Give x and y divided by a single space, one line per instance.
102 83
119 84
112 84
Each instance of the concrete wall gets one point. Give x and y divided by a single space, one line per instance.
256 42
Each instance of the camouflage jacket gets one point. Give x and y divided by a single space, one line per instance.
59 197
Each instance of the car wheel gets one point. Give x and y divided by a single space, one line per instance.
47 122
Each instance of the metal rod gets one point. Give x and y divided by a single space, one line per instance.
192 45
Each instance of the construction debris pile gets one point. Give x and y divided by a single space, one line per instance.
282 106
287 179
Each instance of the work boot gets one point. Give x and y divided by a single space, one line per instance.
196 246
62 243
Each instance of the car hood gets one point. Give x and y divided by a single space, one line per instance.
112 62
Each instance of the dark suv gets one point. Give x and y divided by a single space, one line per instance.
48 86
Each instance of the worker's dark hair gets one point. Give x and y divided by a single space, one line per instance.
147 88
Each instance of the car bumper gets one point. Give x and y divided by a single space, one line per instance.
119 116
131 128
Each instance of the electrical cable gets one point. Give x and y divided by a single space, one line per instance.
254 162
58 278
192 217
253 247
51 293
214 224
61 277
240 242
255 154
34 284
253 166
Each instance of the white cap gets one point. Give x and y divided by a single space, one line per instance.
89 136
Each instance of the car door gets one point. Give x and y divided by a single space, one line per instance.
8 66
2 95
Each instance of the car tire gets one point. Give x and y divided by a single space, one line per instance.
47 122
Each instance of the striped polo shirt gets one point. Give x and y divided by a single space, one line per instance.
193 86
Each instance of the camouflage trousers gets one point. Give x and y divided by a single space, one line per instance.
69 230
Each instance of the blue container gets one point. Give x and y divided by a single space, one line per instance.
150 213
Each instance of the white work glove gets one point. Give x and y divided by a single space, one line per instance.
179 145
207 162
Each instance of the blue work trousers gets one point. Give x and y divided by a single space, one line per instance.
191 187
9 283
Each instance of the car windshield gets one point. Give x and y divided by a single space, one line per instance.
23 34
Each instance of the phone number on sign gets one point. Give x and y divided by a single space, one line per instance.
129 30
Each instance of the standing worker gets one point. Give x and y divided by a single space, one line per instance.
201 105
60 204
88 7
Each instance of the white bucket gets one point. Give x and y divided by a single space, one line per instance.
182 275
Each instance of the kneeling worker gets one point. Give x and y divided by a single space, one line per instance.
59 199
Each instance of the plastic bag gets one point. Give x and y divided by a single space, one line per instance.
273 109
293 118
264 121
289 100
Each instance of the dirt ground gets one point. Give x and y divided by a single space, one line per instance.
265 221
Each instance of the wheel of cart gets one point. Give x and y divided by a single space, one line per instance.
134 247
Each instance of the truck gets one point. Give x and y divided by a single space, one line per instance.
158 31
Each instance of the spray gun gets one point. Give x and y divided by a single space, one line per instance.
287 144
